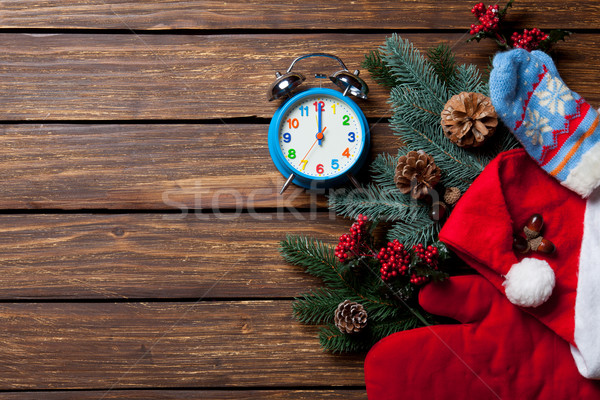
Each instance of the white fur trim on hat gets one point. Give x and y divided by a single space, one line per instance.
529 283
587 303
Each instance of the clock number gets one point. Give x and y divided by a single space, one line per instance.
292 153
333 106
351 137
303 163
303 109
346 119
346 152
287 137
293 123
335 164
319 104
320 169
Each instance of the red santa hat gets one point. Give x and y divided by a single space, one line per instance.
562 289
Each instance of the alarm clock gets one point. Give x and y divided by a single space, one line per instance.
318 138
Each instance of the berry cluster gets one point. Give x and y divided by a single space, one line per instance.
394 259
488 18
489 26
528 40
352 244
418 280
427 255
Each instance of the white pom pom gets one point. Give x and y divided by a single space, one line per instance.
529 283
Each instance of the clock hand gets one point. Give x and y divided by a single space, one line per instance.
319 138
319 123
309 150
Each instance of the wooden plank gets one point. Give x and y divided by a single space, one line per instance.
158 167
277 14
104 77
334 394
155 255
79 77
107 77
140 345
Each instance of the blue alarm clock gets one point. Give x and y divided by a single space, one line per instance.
318 138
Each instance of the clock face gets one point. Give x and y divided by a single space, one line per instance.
321 136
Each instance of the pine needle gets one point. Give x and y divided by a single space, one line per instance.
443 62
317 258
387 204
378 69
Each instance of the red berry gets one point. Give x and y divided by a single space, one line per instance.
352 244
529 39
394 260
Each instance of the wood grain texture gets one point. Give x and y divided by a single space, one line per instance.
160 394
138 345
107 77
155 256
277 14
103 77
151 167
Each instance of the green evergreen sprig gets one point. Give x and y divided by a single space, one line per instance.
390 309
443 61
378 69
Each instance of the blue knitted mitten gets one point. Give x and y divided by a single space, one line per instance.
557 127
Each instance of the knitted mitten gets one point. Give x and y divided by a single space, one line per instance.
556 126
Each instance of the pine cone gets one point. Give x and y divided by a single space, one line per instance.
417 174
468 119
452 195
350 317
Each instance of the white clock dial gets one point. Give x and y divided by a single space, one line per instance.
321 146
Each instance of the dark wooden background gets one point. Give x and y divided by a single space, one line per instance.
117 115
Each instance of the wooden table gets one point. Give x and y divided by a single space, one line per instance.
140 216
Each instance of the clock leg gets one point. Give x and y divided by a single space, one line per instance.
287 183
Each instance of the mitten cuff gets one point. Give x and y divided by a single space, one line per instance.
585 176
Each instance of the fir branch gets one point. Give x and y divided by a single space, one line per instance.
421 131
335 341
381 330
422 230
383 171
411 69
378 69
468 79
376 203
443 62
318 259
318 306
